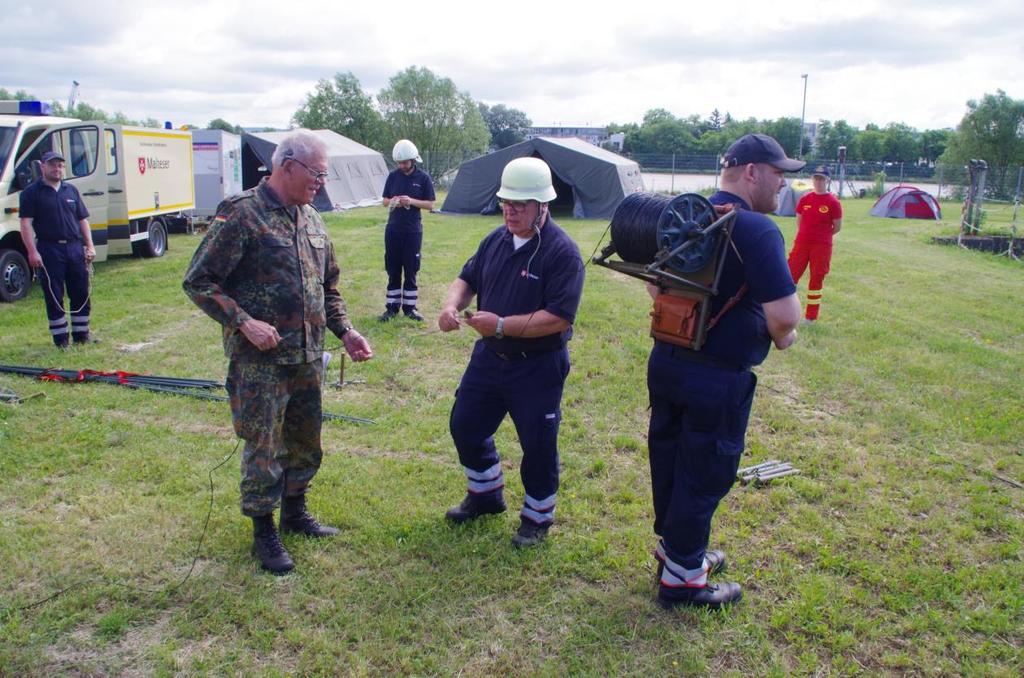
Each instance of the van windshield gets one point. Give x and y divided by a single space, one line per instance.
7 136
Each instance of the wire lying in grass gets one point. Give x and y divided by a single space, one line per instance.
4 613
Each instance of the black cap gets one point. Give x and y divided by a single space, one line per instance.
760 148
821 170
52 155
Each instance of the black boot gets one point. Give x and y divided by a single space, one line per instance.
474 506
267 546
529 534
411 312
295 518
388 314
712 595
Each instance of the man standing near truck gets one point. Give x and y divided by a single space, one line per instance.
58 240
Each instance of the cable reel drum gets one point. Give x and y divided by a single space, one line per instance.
678 244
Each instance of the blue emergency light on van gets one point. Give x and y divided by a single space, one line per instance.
25 108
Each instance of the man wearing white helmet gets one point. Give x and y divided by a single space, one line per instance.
527 277
408 190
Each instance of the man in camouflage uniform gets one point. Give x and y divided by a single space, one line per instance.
266 272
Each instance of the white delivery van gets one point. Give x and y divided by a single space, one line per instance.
135 181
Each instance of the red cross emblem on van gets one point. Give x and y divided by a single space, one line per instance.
142 165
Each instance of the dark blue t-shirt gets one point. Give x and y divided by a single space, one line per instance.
508 282
741 335
416 185
54 214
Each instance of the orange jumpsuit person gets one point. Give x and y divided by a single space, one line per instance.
819 217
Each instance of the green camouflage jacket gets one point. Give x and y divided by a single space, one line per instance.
255 262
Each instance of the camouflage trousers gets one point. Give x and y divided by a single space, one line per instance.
276 410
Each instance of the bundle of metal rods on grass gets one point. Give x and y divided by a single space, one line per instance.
193 388
765 472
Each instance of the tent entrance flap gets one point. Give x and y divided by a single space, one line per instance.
565 200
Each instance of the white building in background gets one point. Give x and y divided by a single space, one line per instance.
592 135
811 134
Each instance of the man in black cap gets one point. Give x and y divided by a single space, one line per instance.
58 240
700 400
819 216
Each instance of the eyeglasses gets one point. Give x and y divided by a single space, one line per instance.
513 206
322 177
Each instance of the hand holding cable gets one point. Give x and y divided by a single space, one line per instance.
484 322
356 346
262 335
449 319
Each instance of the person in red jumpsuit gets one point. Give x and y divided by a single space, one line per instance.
819 216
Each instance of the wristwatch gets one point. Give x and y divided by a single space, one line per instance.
499 331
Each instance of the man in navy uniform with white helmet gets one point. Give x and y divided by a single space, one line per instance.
701 400
527 276
407 190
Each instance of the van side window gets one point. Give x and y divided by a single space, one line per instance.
111 143
84 150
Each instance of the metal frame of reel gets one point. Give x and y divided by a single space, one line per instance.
696 221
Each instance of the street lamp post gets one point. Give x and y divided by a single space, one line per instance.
803 111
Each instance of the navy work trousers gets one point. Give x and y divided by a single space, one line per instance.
402 256
529 389
65 271
699 416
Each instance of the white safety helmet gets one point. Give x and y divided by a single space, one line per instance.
527 179
405 150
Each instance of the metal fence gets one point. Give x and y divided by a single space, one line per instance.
673 173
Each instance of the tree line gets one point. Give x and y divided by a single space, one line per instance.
448 125
661 132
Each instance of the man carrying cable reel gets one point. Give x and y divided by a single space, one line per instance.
722 294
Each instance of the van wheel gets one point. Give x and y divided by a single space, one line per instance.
156 245
15 276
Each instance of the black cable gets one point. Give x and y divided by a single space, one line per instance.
634 226
195 559
536 230
599 241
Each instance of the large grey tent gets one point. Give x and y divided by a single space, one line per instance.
589 180
357 172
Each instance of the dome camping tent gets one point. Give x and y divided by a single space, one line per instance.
907 202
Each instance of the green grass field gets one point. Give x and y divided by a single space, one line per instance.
898 550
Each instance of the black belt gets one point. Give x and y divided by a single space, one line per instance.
691 356
57 242
512 356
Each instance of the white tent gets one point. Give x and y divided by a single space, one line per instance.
357 172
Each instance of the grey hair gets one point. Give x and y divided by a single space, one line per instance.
302 145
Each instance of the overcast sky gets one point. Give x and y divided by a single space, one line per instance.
252 62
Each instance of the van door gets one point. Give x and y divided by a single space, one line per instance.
82 146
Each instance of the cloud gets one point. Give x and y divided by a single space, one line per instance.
252 63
